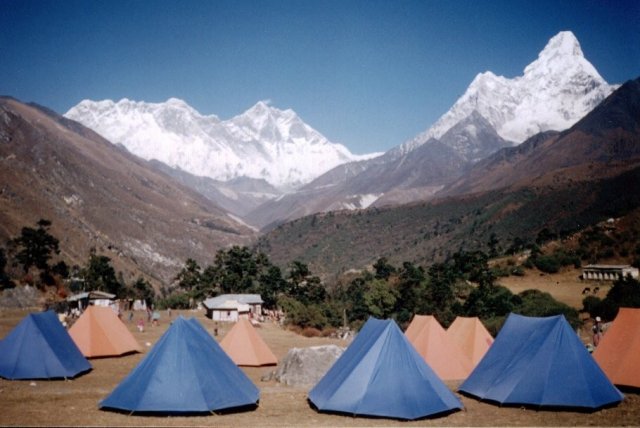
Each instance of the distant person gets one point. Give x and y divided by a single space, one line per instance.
141 325
597 331
62 317
130 316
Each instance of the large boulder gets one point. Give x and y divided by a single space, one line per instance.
305 366
21 297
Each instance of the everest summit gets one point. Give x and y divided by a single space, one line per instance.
262 143
555 91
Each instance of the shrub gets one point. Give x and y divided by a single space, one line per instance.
592 305
311 332
517 271
494 324
623 293
329 332
500 271
551 263
547 264
302 316
606 253
536 303
176 301
490 301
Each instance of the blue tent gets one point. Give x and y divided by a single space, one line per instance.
186 371
381 374
40 348
540 362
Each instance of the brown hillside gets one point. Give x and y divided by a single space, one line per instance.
98 195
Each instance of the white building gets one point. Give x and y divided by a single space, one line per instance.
608 272
86 298
232 307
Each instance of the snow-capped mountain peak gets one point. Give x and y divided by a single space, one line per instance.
268 123
561 48
564 43
263 142
555 91
561 56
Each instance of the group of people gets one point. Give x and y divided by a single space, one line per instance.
69 316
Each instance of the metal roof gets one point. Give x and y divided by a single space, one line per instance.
600 266
96 294
219 302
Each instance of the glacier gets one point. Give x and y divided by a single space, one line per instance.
554 91
262 143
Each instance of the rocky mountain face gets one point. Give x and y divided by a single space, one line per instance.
239 196
602 144
98 195
263 143
560 181
308 174
416 175
555 91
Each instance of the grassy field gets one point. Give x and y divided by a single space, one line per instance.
564 286
75 402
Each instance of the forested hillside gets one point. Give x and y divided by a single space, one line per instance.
425 233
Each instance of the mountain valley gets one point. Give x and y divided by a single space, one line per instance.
499 163
98 195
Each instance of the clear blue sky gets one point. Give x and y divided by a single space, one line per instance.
367 74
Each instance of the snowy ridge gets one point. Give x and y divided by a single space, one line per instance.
263 142
555 91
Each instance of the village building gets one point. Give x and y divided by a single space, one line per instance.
232 307
602 272
86 298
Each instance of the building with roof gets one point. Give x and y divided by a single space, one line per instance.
608 272
95 297
232 307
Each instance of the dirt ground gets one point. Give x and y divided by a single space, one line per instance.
75 402
565 286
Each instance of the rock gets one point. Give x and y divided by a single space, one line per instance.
21 297
305 366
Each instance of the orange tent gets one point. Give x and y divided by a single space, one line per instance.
471 336
100 333
245 347
617 353
441 353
